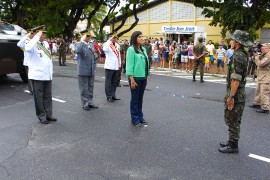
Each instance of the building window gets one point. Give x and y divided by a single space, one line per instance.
265 35
182 11
142 17
160 12
199 13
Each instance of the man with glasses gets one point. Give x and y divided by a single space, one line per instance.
261 101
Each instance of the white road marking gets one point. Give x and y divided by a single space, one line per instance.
259 157
59 100
55 99
123 81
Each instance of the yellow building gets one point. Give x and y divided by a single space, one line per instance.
176 20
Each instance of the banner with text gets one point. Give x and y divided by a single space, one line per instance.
179 29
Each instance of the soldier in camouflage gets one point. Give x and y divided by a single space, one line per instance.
235 90
61 45
199 52
123 51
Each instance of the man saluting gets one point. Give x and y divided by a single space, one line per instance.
40 72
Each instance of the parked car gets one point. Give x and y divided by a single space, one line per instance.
11 56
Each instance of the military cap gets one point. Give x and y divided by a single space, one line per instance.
242 37
200 38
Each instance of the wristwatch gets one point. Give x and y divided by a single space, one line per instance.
231 96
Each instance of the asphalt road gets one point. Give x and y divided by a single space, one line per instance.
181 142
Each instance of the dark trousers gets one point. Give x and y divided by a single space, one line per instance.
42 91
251 67
62 58
86 87
30 87
137 101
196 64
119 76
111 79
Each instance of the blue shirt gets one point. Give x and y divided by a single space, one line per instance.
229 54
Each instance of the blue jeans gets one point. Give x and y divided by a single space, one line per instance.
137 101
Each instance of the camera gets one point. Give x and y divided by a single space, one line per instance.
258 48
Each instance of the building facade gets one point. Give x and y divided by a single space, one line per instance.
177 20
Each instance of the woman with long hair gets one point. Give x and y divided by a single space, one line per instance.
137 70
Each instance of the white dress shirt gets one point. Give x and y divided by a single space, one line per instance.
39 63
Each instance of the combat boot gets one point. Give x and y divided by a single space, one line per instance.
223 144
232 147
262 111
194 79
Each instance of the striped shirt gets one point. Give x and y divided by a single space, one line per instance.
221 53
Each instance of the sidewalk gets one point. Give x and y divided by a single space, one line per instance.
212 72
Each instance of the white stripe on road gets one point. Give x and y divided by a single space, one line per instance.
124 81
259 157
59 100
55 99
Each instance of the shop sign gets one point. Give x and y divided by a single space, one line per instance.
179 29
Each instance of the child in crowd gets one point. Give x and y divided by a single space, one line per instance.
220 58
207 63
156 56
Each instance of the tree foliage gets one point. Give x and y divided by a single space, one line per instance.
248 15
62 16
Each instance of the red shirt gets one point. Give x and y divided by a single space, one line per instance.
96 46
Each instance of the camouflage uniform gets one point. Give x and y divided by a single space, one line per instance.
237 70
198 50
123 51
148 48
62 52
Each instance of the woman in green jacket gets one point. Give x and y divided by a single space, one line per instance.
137 70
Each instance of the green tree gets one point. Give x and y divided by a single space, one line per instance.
248 15
114 16
62 16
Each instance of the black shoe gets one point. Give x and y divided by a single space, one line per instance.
44 121
228 149
144 123
52 119
110 99
255 106
64 65
193 80
86 108
60 64
224 144
262 111
138 125
114 98
92 106
201 81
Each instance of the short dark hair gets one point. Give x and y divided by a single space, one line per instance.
133 40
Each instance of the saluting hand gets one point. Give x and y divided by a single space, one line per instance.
39 33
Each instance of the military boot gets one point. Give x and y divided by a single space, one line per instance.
194 79
201 81
232 147
223 144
